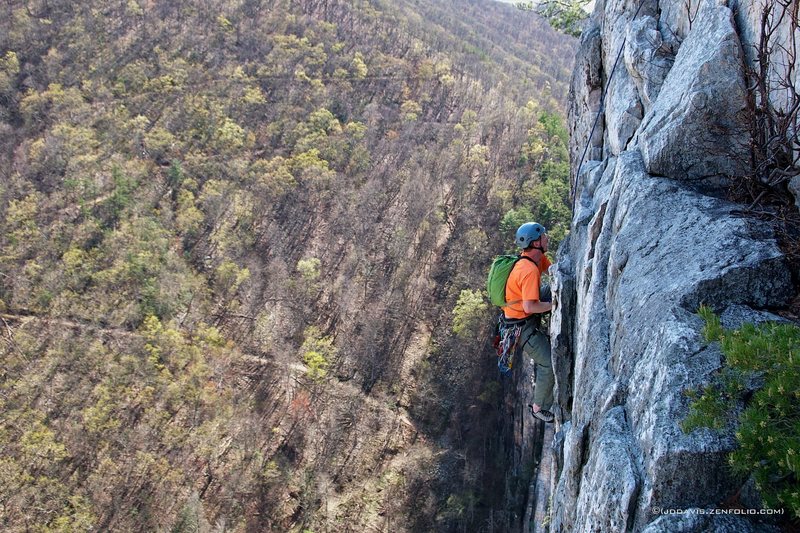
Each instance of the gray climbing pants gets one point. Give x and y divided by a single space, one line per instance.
537 347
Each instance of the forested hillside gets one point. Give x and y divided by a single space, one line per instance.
240 249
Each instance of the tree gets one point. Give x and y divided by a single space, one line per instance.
756 391
567 16
317 352
469 313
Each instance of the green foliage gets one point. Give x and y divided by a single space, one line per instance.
224 23
544 195
21 228
169 163
38 444
457 506
469 313
228 277
124 394
133 8
309 269
555 129
478 155
99 418
9 69
563 15
122 194
273 176
159 142
707 409
712 331
231 136
307 284
410 110
317 352
360 69
317 365
77 515
765 358
139 267
547 191
188 218
9 63
310 168
513 219
323 134
553 209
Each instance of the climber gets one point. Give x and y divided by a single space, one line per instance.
525 303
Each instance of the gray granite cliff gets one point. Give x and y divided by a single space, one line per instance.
652 238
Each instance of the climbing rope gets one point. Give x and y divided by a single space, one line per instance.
600 111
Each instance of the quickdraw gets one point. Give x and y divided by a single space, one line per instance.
507 343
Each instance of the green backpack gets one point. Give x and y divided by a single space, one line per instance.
498 276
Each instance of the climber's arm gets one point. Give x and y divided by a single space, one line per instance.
536 307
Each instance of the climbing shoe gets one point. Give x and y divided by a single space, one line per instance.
543 414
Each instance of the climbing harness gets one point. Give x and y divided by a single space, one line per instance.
507 340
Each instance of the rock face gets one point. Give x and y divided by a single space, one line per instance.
648 58
651 240
699 127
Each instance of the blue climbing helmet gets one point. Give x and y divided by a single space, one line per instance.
529 232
